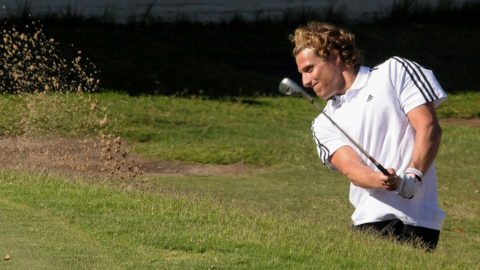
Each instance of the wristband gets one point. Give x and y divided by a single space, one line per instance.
417 174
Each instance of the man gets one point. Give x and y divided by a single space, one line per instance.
390 111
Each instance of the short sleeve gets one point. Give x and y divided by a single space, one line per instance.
326 139
415 85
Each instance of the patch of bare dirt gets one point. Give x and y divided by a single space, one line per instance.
474 122
103 159
107 158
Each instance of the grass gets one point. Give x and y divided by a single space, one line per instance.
292 213
286 212
211 131
90 227
40 114
461 105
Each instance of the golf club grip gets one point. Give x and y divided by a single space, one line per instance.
382 169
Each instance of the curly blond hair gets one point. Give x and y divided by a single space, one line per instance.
327 38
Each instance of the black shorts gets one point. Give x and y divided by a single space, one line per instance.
428 238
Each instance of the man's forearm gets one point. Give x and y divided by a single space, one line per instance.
362 176
427 144
347 161
426 149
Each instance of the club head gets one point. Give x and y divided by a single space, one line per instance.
290 88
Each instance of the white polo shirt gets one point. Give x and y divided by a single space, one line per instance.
374 113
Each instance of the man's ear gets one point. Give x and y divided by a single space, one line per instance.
335 58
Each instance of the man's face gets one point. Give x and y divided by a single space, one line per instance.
324 76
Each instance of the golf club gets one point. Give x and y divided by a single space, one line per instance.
290 88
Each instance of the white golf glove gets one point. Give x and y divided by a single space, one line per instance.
411 181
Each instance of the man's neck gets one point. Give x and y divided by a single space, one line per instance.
350 75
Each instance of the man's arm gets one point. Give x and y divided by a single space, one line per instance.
347 161
427 142
427 138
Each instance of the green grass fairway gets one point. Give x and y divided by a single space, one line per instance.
287 212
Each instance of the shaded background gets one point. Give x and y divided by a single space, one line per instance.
243 54
200 10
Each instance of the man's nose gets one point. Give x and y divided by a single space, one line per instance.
307 82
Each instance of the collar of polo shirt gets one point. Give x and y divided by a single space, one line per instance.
359 83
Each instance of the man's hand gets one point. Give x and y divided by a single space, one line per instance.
390 182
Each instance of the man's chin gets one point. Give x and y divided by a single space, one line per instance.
322 96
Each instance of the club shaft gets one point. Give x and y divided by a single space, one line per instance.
376 163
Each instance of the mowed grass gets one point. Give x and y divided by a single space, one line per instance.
288 212
54 223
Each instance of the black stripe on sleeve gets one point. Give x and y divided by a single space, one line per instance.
430 88
416 74
323 152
